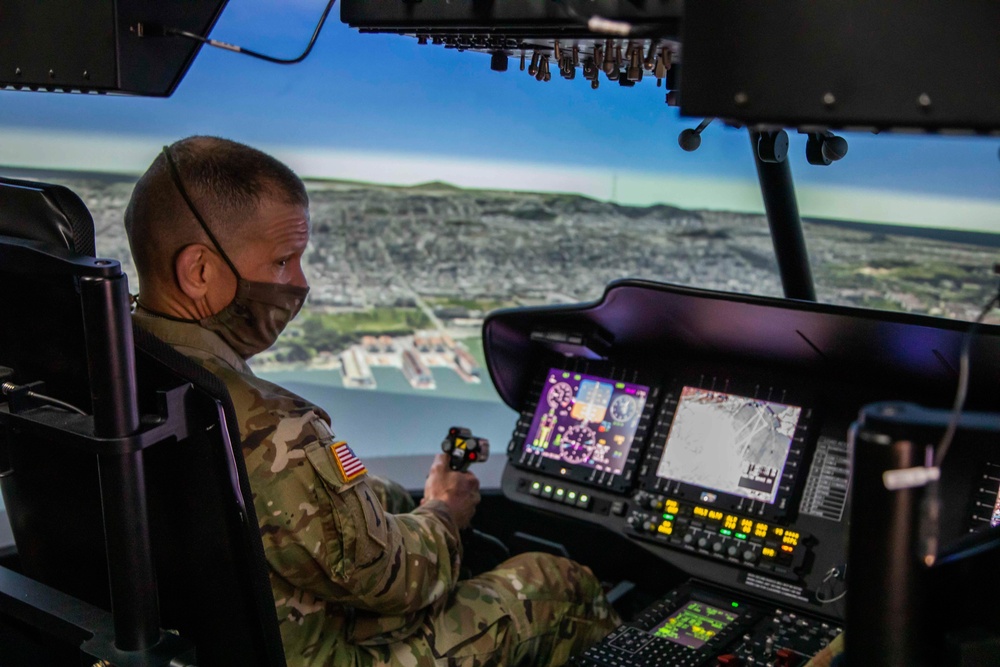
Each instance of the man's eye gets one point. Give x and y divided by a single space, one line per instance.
282 262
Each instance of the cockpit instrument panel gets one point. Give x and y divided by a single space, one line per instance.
585 428
727 448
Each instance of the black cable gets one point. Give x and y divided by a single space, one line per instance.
56 402
8 388
928 527
256 54
963 383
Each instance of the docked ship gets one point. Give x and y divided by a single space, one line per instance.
357 373
417 373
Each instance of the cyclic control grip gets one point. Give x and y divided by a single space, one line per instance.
463 448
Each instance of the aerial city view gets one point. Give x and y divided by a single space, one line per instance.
402 277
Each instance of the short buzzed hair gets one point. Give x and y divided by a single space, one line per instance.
226 180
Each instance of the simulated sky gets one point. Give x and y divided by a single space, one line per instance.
382 108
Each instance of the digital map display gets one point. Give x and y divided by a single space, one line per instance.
694 624
585 420
729 443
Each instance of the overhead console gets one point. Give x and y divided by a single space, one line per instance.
824 64
546 39
712 430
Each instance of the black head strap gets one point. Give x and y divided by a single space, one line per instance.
175 174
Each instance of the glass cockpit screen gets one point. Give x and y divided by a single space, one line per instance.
585 420
729 443
694 624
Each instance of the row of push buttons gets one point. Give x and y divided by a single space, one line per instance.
560 495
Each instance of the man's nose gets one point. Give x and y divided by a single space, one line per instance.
299 278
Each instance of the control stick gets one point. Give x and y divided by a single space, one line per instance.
464 449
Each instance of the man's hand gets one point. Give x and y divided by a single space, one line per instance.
458 490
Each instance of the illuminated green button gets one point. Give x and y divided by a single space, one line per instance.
668 517
559 495
741 536
583 501
547 491
536 489
571 497
725 531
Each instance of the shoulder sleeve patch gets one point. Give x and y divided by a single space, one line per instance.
348 465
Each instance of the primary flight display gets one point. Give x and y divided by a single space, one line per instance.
586 420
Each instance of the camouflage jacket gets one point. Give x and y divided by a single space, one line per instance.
345 574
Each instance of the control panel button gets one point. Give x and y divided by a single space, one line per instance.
618 507
535 489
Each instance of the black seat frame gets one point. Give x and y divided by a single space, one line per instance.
137 513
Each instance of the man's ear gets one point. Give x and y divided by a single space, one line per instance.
192 271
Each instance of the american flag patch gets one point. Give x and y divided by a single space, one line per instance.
350 465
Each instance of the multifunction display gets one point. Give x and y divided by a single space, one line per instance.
694 624
586 420
729 443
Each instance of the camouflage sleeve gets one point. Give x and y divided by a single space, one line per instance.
328 533
394 498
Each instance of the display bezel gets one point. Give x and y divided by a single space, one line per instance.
790 479
621 482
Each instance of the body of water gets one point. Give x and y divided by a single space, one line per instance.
397 420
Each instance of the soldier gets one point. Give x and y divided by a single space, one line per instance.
217 231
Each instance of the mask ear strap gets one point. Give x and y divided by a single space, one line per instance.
175 175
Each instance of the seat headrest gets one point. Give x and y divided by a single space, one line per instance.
47 213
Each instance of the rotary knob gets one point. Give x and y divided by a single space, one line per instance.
717 547
703 542
750 555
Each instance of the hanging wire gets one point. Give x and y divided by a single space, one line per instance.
250 52
963 383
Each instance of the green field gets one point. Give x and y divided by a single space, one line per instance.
482 305
376 321
317 332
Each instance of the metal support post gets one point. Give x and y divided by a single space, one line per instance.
778 191
111 361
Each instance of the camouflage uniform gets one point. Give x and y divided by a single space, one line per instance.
356 585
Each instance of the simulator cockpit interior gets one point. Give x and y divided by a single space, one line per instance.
752 475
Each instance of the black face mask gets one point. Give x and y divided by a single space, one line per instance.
259 312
